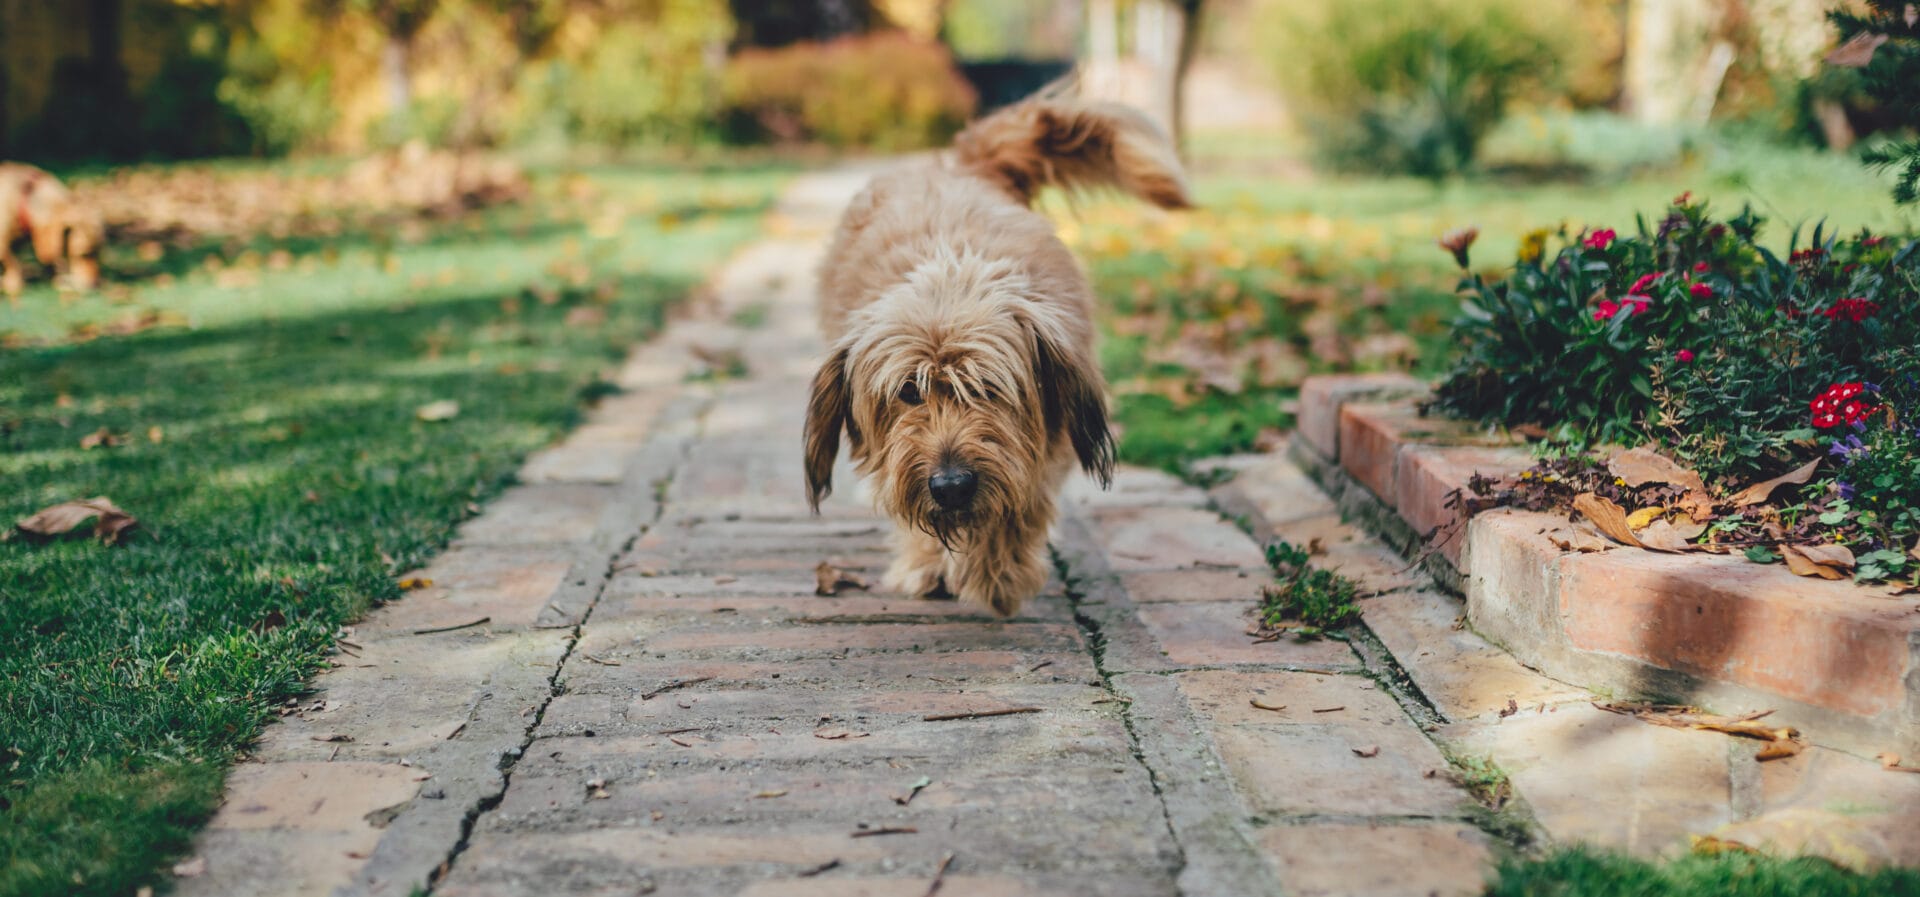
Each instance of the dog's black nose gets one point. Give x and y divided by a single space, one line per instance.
952 487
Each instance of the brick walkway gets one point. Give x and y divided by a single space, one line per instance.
657 701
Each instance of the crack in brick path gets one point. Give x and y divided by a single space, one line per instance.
660 704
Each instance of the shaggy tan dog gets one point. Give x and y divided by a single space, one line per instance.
66 236
962 367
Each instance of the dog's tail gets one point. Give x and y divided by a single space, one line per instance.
1074 145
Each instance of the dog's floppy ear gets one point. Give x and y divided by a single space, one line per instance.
829 409
1072 397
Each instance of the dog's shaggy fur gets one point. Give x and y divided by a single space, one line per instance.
66 236
962 367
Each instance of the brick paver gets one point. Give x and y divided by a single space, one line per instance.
638 691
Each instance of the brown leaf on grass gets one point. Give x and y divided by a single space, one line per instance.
1609 517
101 438
585 316
445 409
109 521
1760 492
1669 535
1829 555
829 580
1803 565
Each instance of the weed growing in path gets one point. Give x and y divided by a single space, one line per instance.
1305 598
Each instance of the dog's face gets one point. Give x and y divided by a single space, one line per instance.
954 389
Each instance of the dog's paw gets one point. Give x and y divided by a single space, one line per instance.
917 580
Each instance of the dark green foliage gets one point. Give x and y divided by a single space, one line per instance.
1892 81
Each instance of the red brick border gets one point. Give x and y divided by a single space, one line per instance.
1840 661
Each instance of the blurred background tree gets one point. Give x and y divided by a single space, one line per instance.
1438 89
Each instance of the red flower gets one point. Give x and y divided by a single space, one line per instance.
1607 309
1855 310
1809 255
1700 267
1636 304
1871 242
1681 200
1685 355
1841 403
1599 239
1640 286
1701 291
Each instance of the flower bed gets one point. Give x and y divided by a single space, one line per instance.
1778 397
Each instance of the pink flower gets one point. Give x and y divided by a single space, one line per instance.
1640 286
1636 304
1685 355
1701 291
1607 309
1700 268
1600 239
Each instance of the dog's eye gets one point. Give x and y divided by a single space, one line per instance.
910 392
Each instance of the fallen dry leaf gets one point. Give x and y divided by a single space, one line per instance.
412 583
1829 555
828 580
1782 741
597 789
1802 565
1802 832
1760 492
101 438
1668 535
1643 465
1372 750
1776 750
64 518
191 867
1262 705
445 409
838 734
1609 517
1640 519
1581 538
1891 763
772 794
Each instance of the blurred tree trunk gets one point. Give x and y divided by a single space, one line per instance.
394 69
1667 44
1167 37
1190 25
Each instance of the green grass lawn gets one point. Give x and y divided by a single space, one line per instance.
268 443
1249 287
1578 872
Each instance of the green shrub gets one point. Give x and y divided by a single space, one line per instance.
649 82
885 91
1413 88
1892 78
1741 363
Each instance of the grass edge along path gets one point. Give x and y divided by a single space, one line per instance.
283 478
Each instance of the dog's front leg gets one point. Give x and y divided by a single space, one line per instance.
919 565
1000 567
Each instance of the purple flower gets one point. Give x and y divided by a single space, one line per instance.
1846 490
1849 449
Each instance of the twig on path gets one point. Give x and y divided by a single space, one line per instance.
1038 666
979 714
683 683
890 830
604 663
830 864
680 731
1329 709
939 875
478 622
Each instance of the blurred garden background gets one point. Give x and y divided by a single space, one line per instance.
331 221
